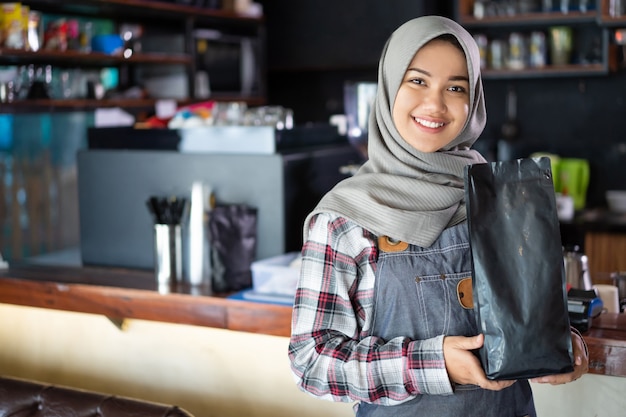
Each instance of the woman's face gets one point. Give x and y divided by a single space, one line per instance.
432 104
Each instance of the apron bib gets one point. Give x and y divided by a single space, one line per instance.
425 292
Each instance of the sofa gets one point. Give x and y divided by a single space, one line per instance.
27 398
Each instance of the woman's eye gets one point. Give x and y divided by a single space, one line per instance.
418 81
458 89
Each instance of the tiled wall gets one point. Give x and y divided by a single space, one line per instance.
38 191
572 117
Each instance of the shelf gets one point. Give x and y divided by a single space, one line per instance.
529 19
49 105
588 23
543 19
69 58
614 22
142 9
547 72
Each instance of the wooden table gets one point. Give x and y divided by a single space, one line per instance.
132 294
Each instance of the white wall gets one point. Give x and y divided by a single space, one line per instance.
590 396
209 372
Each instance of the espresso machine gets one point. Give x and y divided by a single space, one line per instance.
583 303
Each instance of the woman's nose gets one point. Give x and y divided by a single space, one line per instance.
434 100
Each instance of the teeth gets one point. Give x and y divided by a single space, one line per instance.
432 125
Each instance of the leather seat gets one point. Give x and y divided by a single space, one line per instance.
26 398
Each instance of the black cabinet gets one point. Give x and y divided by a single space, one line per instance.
330 34
314 46
116 227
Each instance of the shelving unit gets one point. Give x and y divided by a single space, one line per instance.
98 59
178 19
593 22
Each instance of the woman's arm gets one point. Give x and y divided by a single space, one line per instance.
332 353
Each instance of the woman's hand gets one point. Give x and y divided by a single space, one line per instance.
464 367
581 364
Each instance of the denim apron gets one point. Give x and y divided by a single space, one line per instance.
425 292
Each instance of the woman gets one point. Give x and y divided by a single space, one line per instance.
378 317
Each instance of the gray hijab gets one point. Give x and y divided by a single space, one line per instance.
401 192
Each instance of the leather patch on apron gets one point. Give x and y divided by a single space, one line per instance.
464 293
386 244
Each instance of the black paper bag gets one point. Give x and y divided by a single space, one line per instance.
519 287
233 237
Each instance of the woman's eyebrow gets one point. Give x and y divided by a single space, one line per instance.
453 78
420 71
459 78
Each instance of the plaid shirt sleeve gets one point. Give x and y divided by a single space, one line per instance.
333 355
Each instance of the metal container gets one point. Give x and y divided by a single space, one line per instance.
196 246
577 269
168 256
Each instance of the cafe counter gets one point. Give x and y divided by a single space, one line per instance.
121 294
110 330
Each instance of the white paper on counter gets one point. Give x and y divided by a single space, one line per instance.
110 117
228 139
165 109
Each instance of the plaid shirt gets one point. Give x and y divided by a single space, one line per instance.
333 354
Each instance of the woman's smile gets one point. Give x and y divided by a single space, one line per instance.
428 123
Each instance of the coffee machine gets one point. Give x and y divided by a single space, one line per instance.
583 303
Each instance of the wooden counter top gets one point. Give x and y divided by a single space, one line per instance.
122 293
607 344
132 294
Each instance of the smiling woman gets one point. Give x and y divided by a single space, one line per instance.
378 317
